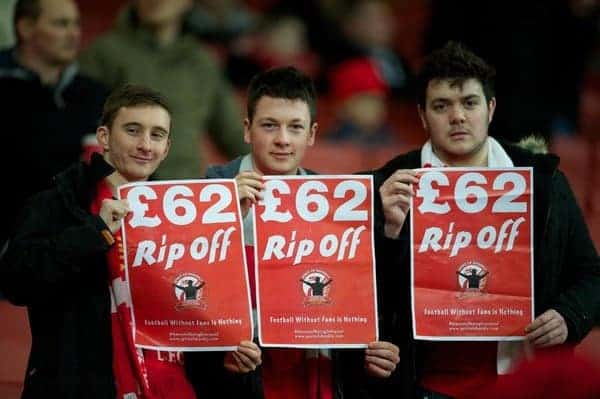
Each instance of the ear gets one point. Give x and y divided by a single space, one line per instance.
102 135
247 136
422 117
313 133
491 109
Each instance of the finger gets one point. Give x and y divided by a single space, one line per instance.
553 337
541 320
377 371
239 362
251 351
382 363
383 354
383 349
247 361
544 329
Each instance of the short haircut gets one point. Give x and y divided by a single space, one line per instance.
456 63
131 95
284 82
25 9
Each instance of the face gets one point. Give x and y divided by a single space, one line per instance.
457 119
161 12
137 141
55 35
279 134
366 111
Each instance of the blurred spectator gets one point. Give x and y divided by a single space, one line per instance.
539 48
148 46
280 41
343 29
48 107
360 95
369 27
221 22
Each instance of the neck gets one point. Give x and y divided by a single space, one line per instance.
115 180
49 73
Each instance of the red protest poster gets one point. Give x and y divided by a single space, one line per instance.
472 255
185 265
315 268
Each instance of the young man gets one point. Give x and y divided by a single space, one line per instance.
456 106
47 104
280 126
62 260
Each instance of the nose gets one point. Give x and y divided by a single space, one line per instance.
457 114
282 137
143 143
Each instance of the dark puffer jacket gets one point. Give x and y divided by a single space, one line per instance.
566 266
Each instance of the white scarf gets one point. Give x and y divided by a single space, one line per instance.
509 352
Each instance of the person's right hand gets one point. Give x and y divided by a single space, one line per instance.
247 357
112 212
250 186
395 199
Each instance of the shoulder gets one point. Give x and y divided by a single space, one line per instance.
542 162
409 160
226 171
90 85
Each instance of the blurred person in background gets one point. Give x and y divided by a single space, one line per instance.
49 107
149 45
360 96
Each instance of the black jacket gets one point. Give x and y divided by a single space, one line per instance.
211 380
55 264
566 264
44 127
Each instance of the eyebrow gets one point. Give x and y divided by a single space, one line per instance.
462 98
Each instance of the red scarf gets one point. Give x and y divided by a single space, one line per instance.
292 373
139 374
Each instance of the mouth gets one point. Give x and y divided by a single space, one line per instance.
458 135
140 159
281 155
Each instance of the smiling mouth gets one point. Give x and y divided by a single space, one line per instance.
281 155
141 160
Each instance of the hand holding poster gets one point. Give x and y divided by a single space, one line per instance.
315 265
185 265
472 256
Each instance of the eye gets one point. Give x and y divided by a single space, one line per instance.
268 125
471 103
439 107
132 130
158 135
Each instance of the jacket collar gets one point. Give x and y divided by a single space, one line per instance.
10 67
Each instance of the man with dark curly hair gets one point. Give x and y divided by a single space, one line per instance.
456 105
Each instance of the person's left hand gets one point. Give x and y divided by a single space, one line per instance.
547 329
381 358
247 357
